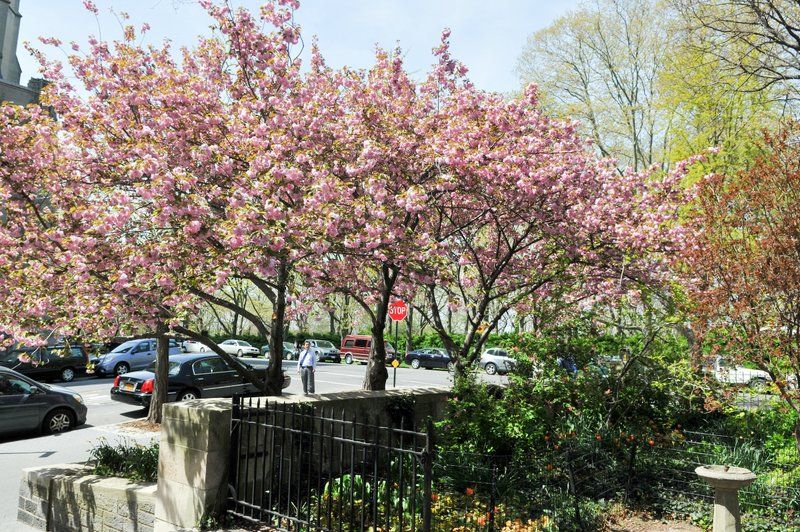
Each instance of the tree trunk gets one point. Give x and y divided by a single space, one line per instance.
159 396
331 322
377 375
273 384
449 320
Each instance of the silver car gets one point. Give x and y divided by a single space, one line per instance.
496 360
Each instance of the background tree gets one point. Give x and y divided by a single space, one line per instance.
757 39
600 65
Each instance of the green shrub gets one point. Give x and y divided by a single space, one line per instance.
125 459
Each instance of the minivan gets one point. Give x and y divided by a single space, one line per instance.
130 356
58 362
357 346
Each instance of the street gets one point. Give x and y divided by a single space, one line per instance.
105 417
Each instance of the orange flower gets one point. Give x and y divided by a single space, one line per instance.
434 497
470 491
651 442
481 520
546 437
598 437
549 467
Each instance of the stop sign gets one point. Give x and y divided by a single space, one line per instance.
398 310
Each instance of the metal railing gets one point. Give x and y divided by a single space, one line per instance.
296 467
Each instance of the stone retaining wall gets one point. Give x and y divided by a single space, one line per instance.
69 498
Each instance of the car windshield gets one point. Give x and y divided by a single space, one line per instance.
123 348
324 343
174 368
389 346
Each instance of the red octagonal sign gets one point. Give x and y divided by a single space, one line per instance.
398 310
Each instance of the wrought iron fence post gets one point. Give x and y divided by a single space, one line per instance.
233 475
493 496
427 514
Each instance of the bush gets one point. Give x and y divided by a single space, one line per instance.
130 460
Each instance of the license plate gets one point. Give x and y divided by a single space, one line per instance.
128 386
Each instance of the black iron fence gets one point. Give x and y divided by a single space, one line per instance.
296 467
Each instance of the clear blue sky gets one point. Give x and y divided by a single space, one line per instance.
487 34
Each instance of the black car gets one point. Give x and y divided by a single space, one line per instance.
432 357
58 362
191 376
27 405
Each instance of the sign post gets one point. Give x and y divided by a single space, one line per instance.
398 311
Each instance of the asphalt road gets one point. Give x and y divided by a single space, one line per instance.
105 416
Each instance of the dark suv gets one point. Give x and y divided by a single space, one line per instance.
58 362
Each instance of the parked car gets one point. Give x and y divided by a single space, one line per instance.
356 347
193 346
288 350
47 363
191 376
325 350
27 405
431 357
496 360
239 348
130 356
729 373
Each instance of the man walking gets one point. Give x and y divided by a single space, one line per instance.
306 363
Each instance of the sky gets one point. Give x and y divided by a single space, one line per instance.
487 35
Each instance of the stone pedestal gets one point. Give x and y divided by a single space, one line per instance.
726 481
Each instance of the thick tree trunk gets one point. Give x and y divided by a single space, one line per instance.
274 381
377 375
159 396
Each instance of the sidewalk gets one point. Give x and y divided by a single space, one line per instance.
64 448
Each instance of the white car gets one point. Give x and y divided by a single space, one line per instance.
729 373
193 346
239 348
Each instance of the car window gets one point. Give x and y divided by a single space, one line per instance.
14 386
389 346
173 343
361 343
174 368
244 344
325 344
348 343
209 365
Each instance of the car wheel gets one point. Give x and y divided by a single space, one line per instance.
348 358
239 353
121 369
451 366
338 360
415 363
757 383
491 368
60 420
188 395
67 374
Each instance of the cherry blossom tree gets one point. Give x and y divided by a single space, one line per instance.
538 215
